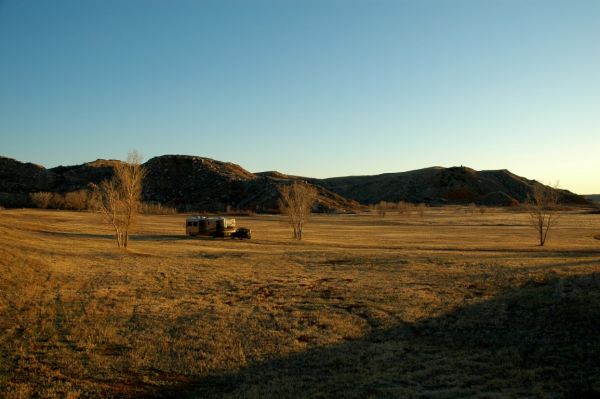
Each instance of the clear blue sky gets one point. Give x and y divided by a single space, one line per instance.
318 88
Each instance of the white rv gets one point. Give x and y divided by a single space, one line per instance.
217 226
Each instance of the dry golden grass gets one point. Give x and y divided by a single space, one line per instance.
450 304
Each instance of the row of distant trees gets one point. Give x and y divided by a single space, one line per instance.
84 199
382 208
76 200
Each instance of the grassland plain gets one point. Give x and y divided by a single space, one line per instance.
449 304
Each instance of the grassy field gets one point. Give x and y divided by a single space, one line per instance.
445 305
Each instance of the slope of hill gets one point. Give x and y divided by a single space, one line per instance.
181 181
190 182
440 185
197 183
71 178
17 179
593 197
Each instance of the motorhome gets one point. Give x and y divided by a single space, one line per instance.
215 226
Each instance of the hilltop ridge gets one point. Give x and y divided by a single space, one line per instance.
440 185
190 182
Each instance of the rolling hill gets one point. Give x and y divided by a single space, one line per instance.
185 182
439 185
197 183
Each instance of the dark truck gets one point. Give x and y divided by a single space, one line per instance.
242 233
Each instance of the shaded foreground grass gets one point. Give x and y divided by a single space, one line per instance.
445 305
537 341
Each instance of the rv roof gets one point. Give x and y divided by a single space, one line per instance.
209 218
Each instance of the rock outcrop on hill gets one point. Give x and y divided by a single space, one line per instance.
195 183
437 185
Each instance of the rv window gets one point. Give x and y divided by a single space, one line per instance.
195 223
189 223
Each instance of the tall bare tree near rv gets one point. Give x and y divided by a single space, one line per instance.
119 199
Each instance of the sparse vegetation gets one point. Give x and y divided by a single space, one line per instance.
156 209
383 207
296 203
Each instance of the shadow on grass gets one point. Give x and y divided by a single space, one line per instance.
159 237
540 340
569 264
135 237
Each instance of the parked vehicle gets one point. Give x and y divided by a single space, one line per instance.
217 226
242 233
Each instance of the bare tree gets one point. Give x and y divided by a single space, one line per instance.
77 200
381 207
119 198
41 199
543 208
471 208
296 202
57 201
402 207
